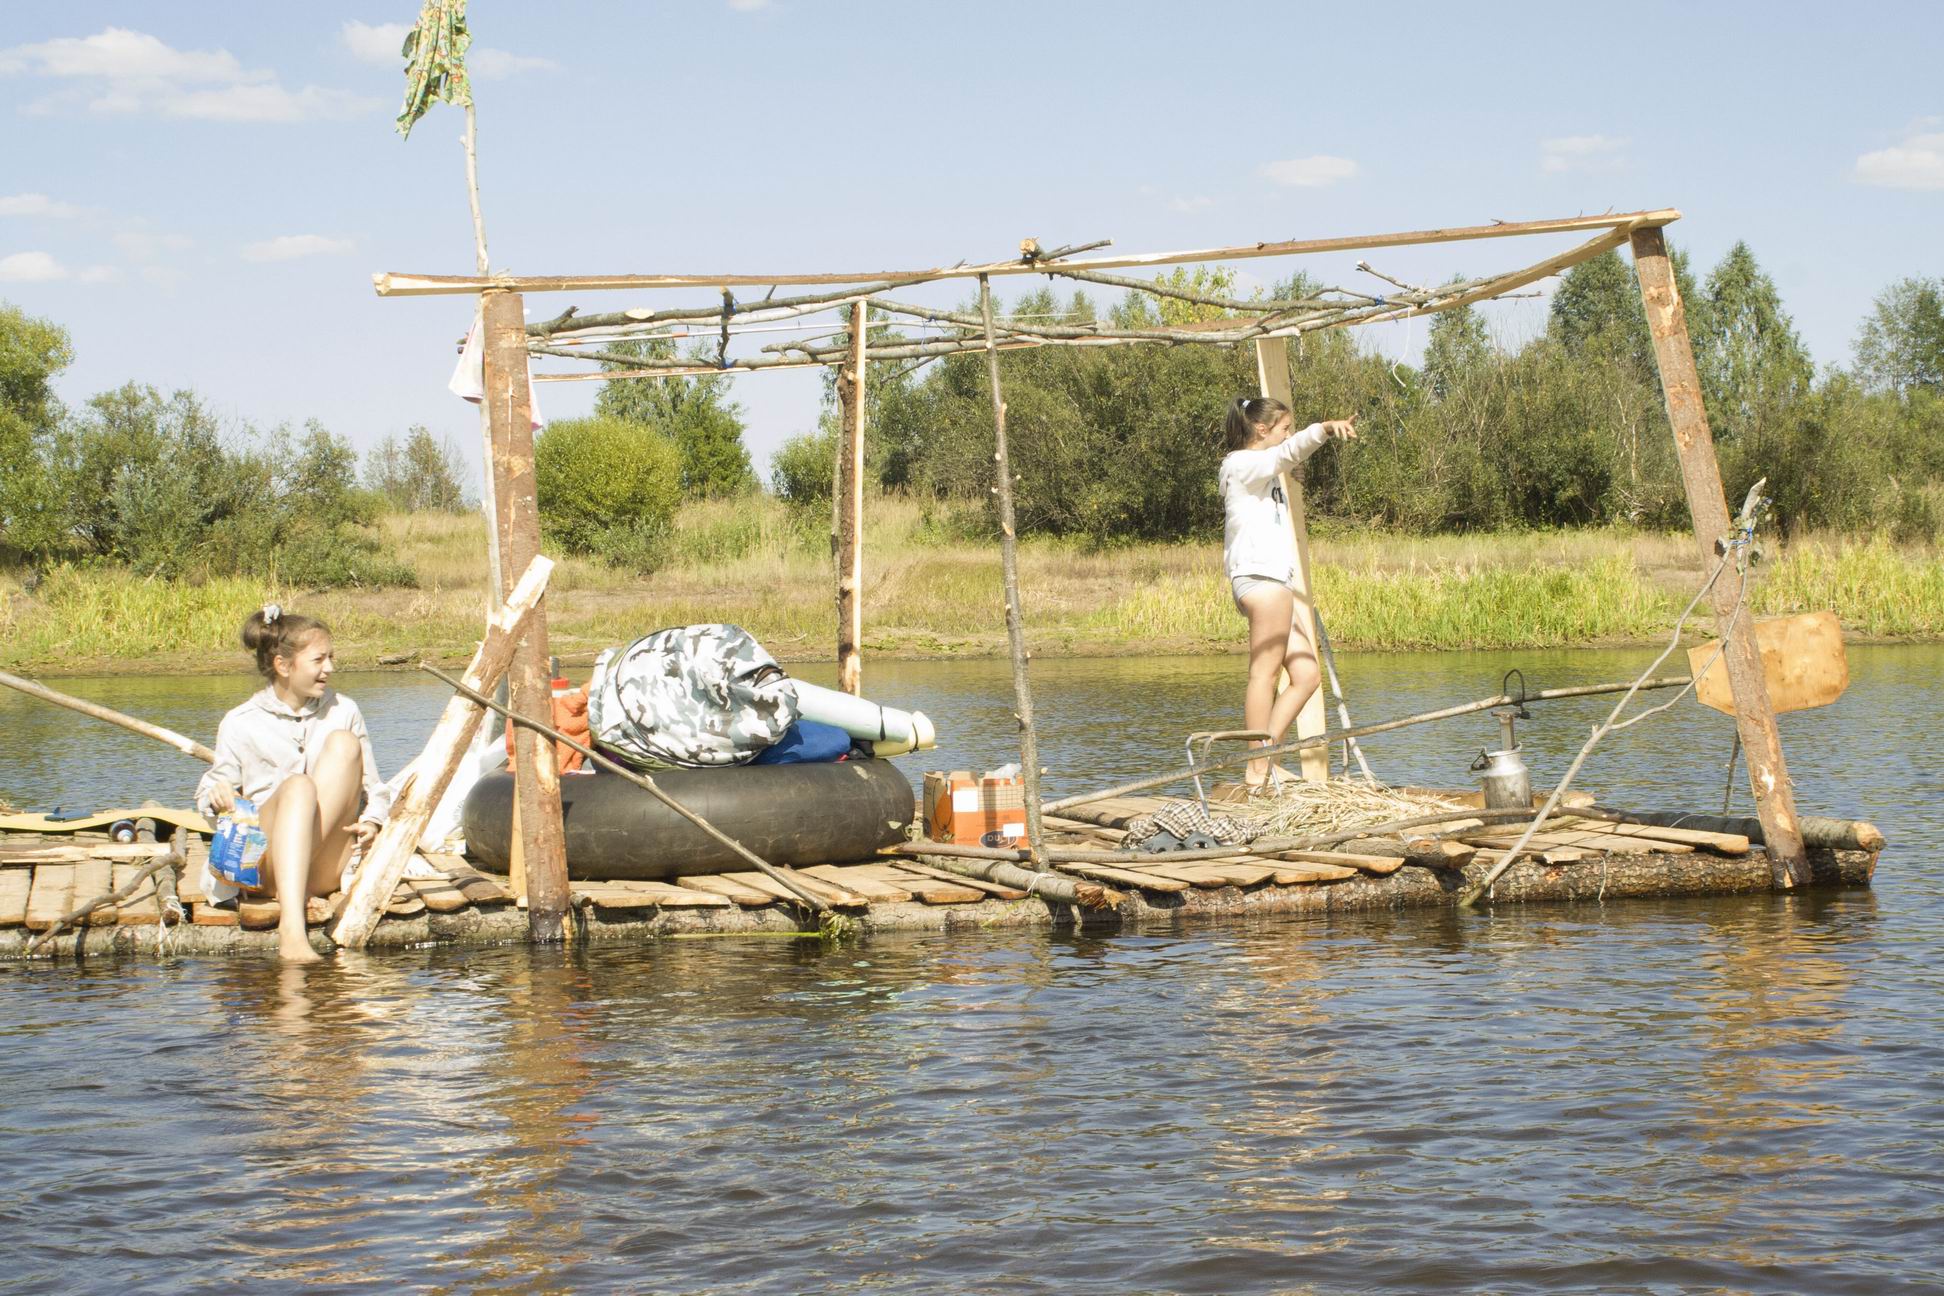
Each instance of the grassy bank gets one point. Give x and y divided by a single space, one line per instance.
756 564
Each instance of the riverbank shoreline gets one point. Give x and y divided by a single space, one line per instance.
929 597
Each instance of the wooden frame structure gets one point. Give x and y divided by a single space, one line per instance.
853 298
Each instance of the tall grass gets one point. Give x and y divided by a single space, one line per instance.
767 567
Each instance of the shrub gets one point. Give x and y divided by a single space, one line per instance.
607 486
801 468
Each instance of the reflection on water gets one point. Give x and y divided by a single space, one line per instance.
1720 1095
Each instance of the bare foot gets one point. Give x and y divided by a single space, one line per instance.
297 949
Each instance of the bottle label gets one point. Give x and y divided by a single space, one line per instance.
236 851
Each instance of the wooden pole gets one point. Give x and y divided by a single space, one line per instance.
1272 376
849 488
187 746
384 864
496 590
508 403
1768 774
1029 766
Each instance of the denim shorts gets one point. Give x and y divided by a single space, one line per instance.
1240 585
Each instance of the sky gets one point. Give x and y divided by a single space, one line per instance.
200 192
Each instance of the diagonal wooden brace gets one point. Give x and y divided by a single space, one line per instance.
384 864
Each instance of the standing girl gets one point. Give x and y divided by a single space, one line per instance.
299 750
1259 551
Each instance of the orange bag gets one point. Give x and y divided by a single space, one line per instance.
570 718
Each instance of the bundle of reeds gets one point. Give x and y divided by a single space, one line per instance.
1300 809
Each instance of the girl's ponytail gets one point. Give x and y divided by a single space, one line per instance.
270 633
1246 417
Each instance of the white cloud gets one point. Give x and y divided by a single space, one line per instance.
1200 202
118 72
143 244
290 247
31 267
497 65
1581 153
378 44
96 274
1916 162
1308 172
36 204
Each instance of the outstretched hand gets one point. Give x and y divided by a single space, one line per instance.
1342 429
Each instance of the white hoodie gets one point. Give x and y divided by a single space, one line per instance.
262 742
1256 539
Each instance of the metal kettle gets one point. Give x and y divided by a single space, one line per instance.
1502 774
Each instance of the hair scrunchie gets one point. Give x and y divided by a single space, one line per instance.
271 612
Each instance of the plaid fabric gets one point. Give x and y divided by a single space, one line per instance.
1185 817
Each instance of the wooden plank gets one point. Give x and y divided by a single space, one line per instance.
716 884
1380 865
927 890
997 889
420 285
15 884
542 833
404 902
1292 874
669 896
1272 378
605 895
440 894
1768 773
205 914
1231 872
828 892
139 909
1720 843
75 853
1549 853
51 897
860 881
476 887
94 878
384 864
1142 879
1587 839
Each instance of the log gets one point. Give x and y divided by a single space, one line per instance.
384 865
1426 852
542 836
169 737
1827 834
1029 765
848 490
1085 895
1377 865
1768 773
419 285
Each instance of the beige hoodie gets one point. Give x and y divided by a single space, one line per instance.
262 742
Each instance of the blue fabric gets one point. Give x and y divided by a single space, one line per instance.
806 742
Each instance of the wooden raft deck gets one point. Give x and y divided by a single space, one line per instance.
43 878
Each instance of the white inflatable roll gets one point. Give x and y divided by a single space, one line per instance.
890 732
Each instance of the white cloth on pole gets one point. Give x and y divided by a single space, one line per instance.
469 375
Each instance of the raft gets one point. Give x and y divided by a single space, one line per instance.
800 815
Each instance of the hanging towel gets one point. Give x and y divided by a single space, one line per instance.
469 375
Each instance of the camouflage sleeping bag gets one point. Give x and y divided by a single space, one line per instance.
694 696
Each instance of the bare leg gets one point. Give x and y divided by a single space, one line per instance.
1268 610
1304 677
307 824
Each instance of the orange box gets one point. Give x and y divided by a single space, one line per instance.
975 812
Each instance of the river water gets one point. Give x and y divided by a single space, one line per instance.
1738 1095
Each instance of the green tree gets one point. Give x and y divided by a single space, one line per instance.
1900 347
1750 360
693 413
1597 307
606 486
1457 346
418 475
32 352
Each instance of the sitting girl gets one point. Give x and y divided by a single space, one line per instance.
299 750
1259 551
